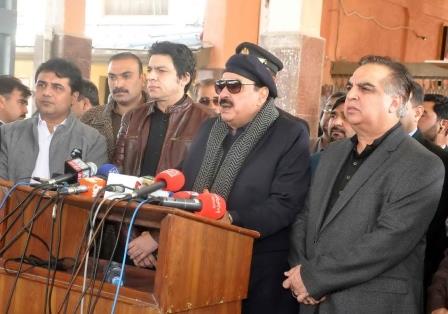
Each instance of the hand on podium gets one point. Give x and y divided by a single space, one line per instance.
141 250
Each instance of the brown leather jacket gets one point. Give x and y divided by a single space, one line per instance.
185 119
100 118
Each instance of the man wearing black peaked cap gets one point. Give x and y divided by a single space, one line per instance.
256 157
271 62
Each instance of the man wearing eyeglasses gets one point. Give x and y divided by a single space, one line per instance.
39 146
206 94
256 157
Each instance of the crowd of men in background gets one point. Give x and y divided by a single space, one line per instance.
343 219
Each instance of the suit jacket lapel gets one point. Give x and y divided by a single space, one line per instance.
330 166
370 166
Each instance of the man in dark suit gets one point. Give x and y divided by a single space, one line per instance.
256 157
436 239
358 246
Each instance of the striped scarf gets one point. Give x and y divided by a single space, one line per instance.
220 179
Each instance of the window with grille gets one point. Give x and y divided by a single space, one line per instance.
136 7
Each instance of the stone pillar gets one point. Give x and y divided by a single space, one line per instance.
8 26
290 29
77 49
69 41
62 24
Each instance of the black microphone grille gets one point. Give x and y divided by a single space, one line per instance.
76 153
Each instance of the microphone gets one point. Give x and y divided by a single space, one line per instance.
73 189
74 170
186 194
93 184
76 153
106 169
190 205
115 188
170 180
207 204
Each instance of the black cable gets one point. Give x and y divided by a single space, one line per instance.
64 304
95 260
50 260
11 294
91 281
24 204
99 250
47 283
75 267
28 199
34 261
40 240
19 233
58 247
106 269
26 260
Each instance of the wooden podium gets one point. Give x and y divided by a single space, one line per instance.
203 265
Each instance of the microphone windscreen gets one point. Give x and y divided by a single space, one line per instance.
213 205
76 169
173 178
105 169
93 184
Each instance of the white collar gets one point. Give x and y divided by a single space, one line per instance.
412 132
41 123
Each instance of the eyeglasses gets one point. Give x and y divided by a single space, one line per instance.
207 100
233 86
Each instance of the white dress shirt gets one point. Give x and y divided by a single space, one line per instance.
42 166
412 133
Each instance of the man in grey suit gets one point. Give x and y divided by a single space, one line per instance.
39 146
358 245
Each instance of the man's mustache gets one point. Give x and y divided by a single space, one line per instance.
337 129
225 102
119 90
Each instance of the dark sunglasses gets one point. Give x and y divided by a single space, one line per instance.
233 86
206 100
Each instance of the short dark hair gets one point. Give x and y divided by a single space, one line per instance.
417 94
440 105
331 99
399 80
128 55
9 83
183 58
89 91
63 69
339 101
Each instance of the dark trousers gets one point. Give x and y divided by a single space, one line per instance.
266 294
